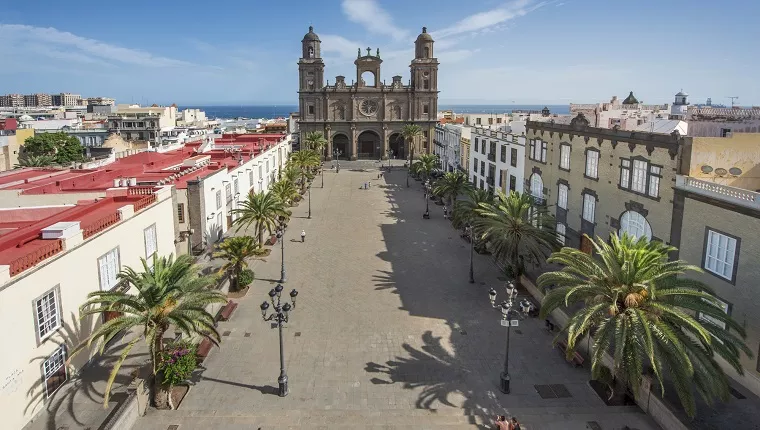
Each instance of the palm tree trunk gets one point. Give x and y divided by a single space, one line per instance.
160 391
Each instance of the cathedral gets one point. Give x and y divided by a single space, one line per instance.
363 119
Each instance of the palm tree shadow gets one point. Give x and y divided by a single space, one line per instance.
86 379
440 376
384 281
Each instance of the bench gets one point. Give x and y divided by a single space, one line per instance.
226 312
203 350
577 359
271 240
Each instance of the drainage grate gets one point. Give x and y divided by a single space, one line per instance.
298 334
173 427
593 425
736 393
247 334
554 391
226 333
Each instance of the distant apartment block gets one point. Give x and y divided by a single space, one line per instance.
12 100
46 100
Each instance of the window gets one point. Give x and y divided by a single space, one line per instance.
47 314
536 186
236 188
726 308
425 109
625 173
498 120
250 178
475 166
311 109
512 183
561 231
181 212
504 153
474 180
562 196
639 177
589 206
635 225
564 157
481 185
425 84
655 173
490 121
513 157
592 164
150 242
261 174
720 254
218 199
54 370
108 266
725 132
477 121
538 150
482 167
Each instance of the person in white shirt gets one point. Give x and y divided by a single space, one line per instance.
303 235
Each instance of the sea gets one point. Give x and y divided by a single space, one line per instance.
283 111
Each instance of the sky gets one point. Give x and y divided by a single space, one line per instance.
490 51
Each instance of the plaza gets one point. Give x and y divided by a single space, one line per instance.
387 332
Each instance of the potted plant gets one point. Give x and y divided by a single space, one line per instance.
178 361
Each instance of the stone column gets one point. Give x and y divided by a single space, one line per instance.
354 143
385 145
329 143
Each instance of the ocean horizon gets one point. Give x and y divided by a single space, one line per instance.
283 111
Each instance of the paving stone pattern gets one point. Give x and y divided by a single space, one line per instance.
387 332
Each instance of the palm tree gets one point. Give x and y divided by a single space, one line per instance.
516 229
410 133
291 173
642 313
261 210
452 185
315 141
236 250
29 160
305 161
168 293
426 164
463 212
285 190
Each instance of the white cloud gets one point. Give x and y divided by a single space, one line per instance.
369 14
484 21
345 48
61 45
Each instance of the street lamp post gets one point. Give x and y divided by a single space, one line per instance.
322 173
506 309
309 217
281 238
472 246
280 317
390 154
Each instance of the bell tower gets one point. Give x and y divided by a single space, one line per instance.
424 67
310 66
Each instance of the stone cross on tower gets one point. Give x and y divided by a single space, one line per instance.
369 51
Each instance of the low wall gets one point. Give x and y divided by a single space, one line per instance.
124 416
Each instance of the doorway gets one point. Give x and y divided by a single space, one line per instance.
340 142
396 144
369 145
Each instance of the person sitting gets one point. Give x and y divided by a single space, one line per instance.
501 423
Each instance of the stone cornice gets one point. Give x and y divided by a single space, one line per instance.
669 141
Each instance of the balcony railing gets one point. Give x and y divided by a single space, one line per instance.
100 225
141 191
26 261
726 193
492 156
144 202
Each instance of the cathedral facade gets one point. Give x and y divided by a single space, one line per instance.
363 119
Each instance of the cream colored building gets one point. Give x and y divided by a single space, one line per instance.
625 115
67 253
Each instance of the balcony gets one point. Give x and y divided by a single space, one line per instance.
726 193
492 156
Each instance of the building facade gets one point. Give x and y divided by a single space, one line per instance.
496 160
364 119
722 122
447 146
600 181
625 115
67 252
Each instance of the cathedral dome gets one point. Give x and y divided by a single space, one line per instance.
630 100
425 35
311 35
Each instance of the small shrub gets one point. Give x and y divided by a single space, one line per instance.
246 277
177 363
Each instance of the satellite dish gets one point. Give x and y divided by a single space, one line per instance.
721 171
706 169
735 171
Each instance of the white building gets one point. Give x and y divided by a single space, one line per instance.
50 258
626 115
447 145
722 122
191 118
497 160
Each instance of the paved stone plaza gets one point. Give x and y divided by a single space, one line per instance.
387 333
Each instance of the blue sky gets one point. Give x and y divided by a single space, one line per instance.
522 51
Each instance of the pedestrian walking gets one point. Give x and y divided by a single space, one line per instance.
365 185
369 183
303 235
445 212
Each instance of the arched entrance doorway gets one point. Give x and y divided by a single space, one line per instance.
396 144
340 142
369 145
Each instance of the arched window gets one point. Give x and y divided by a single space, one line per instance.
311 52
635 225
536 186
426 51
397 112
